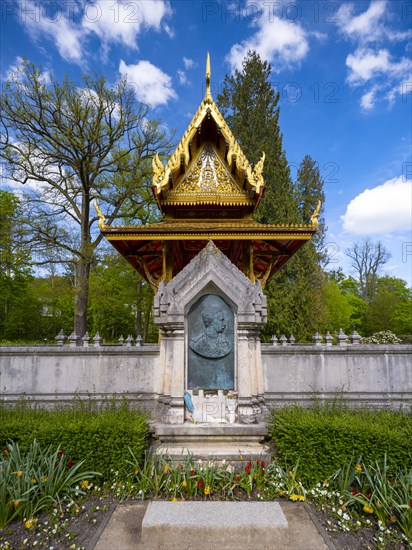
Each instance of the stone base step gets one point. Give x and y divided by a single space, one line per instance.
230 442
205 525
217 454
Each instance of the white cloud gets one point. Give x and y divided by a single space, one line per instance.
366 64
189 63
383 209
404 90
61 30
371 63
368 100
169 30
152 85
181 75
74 22
366 26
282 43
122 21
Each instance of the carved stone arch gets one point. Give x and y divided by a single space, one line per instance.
211 273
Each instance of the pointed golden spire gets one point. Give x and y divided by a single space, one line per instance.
208 95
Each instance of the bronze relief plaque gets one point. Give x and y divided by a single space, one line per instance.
211 341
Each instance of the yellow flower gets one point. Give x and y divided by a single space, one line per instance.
184 483
77 510
393 519
368 509
301 497
174 499
19 473
166 468
29 523
84 484
291 474
281 493
44 479
207 490
293 497
16 503
33 480
136 471
240 457
358 468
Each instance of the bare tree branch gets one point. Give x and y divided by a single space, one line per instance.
66 145
367 259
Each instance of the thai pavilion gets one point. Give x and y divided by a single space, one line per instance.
208 191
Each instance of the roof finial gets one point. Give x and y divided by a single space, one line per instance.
208 95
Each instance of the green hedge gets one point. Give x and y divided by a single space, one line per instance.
100 437
323 437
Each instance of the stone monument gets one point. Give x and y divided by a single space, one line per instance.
209 316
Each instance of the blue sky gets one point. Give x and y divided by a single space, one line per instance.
343 70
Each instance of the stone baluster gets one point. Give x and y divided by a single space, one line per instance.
97 340
121 340
317 339
129 341
61 338
139 341
73 339
274 340
292 340
355 338
342 337
86 340
328 339
283 340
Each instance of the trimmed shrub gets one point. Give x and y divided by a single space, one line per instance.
324 437
99 437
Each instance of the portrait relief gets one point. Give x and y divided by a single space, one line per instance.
212 342
210 325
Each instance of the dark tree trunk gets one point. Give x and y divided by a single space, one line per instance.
82 297
139 305
83 269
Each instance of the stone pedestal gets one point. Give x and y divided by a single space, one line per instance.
211 274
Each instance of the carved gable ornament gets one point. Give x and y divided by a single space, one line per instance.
210 272
207 175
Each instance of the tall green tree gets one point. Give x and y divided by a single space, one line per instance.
309 191
19 308
251 108
74 144
120 300
390 308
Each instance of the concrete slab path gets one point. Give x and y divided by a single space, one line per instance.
123 530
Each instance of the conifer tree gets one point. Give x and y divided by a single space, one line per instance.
250 106
309 190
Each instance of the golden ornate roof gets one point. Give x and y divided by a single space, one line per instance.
239 183
207 191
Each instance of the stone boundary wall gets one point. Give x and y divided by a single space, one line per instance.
376 375
57 374
373 375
